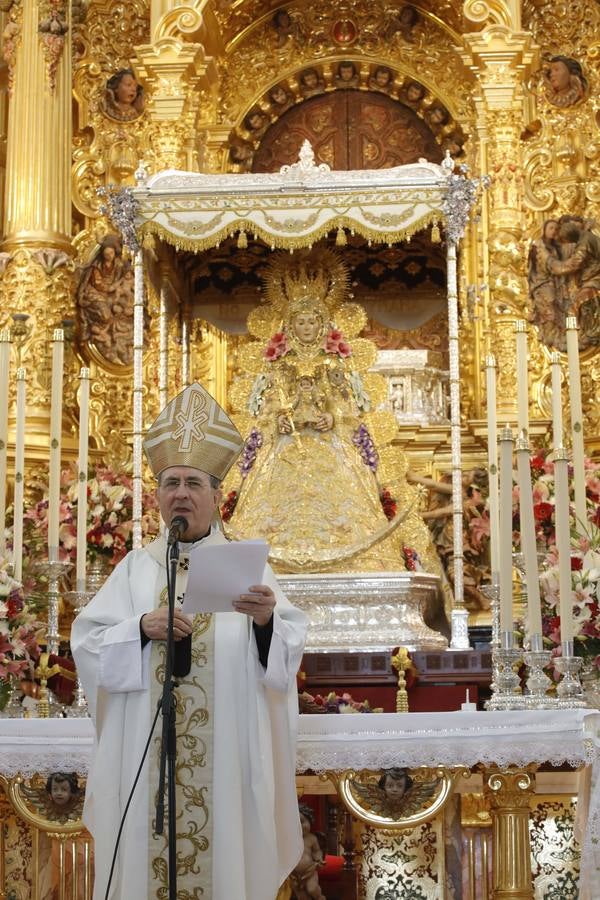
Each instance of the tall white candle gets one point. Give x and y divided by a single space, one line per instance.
5 348
82 467
563 541
58 347
492 439
557 419
19 475
506 490
522 378
581 523
528 540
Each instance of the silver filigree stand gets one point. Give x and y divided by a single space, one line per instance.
507 694
55 570
492 592
538 683
78 599
569 691
460 629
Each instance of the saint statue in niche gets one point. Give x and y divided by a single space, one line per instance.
105 299
310 472
564 280
565 81
548 293
123 97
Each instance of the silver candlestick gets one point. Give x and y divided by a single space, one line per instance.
538 683
492 592
569 691
54 570
507 693
78 708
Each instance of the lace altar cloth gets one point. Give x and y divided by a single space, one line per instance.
28 746
373 742
353 741
384 740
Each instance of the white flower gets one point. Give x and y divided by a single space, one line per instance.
591 560
550 586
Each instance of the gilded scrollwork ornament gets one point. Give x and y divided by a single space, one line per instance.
33 283
428 56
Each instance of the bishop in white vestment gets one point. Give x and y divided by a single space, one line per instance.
238 829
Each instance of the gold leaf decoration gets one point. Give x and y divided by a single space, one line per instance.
351 319
364 354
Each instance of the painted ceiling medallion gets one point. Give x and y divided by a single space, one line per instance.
344 32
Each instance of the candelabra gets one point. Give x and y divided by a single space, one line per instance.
54 570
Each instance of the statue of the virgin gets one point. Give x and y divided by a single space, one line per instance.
317 477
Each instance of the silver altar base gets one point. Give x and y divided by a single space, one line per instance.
366 611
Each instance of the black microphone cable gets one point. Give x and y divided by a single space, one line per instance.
137 775
129 799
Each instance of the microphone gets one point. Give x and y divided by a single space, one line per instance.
178 526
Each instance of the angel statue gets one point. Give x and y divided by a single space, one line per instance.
395 795
316 478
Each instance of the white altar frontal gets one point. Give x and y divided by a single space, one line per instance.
517 765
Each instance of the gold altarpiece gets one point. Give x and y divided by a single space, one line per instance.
204 67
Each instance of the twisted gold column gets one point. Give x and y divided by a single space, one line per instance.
509 792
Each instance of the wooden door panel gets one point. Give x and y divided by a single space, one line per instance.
348 130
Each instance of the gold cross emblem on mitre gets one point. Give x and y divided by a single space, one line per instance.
193 430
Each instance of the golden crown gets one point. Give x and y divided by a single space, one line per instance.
310 280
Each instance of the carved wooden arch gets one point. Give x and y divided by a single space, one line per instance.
348 129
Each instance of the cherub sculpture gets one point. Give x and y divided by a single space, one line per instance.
395 795
305 877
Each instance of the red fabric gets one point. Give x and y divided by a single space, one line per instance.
332 868
62 685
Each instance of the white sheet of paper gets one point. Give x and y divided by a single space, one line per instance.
219 573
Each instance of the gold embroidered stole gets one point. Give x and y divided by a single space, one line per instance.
194 760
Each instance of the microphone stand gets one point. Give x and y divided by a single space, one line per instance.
169 732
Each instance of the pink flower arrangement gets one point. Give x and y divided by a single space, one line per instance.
109 518
585 555
335 343
334 703
19 628
277 346
585 592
